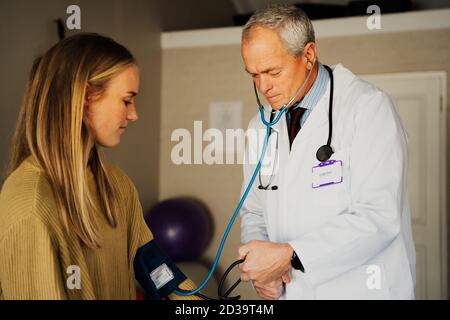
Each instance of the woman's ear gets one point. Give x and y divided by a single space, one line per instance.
86 112
88 96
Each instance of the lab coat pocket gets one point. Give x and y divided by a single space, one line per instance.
367 282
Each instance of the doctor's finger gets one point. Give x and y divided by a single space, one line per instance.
277 284
270 294
243 251
286 277
245 277
261 293
245 267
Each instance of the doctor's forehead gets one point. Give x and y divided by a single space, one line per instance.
262 49
262 61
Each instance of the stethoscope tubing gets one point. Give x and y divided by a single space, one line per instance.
268 125
239 206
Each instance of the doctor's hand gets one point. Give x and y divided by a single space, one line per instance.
272 290
265 261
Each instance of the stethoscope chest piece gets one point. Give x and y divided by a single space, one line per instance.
261 187
324 153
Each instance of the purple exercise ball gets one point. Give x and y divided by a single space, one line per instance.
181 227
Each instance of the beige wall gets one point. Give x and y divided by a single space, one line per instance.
193 77
28 30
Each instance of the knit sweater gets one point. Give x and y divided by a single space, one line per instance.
39 258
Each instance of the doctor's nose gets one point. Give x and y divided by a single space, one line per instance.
264 85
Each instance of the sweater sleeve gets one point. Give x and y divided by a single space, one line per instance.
29 267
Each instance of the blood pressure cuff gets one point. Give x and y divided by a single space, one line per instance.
156 272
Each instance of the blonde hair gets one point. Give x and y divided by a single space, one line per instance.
52 127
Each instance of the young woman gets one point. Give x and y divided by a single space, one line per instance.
70 224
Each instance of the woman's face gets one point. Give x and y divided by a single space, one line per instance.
110 114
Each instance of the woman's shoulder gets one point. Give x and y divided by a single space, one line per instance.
119 176
25 183
26 193
124 185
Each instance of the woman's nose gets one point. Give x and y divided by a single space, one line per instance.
132 113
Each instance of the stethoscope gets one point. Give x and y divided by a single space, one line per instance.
323 154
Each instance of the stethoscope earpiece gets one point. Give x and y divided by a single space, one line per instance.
324 153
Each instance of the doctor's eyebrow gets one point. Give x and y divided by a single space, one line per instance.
264 71
132 93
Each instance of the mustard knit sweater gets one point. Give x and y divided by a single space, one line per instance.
36 253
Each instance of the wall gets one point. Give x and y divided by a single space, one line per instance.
183 15
28 30
193 77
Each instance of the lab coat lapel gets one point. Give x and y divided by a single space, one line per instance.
316 119
312 135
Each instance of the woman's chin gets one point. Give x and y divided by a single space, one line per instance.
110 143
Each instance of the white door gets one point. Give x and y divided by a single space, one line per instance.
420 101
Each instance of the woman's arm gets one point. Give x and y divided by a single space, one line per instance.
29 267
140 235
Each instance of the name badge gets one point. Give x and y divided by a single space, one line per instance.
327 173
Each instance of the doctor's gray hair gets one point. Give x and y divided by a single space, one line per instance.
292 24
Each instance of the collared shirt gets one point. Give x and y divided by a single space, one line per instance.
313 96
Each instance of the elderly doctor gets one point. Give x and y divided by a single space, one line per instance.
333 229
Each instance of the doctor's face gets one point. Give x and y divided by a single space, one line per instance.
276 72
109 115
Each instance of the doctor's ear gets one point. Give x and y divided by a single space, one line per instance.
310 54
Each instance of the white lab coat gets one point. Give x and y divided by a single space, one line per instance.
354 238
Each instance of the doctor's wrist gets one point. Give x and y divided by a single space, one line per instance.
294 260
289 251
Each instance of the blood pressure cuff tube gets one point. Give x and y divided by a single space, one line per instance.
156 272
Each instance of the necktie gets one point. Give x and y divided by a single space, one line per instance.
294 127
